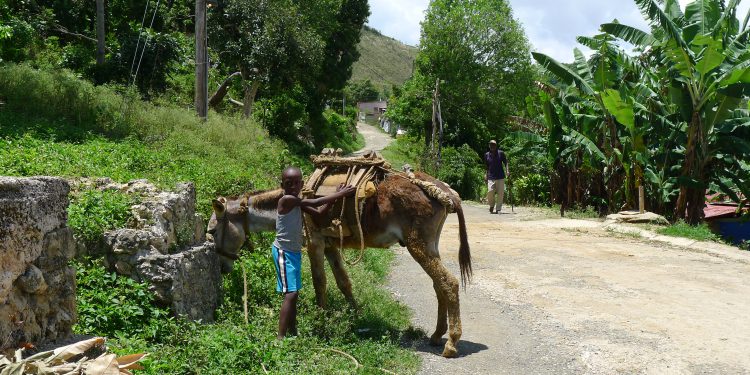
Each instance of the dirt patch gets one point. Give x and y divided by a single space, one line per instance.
557 296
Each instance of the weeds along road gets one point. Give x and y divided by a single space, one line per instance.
563 296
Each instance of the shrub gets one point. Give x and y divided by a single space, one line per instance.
461 169
111 305
340 132
532 189
404 150
93 212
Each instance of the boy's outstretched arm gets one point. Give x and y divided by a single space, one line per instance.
318 207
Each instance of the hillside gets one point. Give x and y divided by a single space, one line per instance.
384 61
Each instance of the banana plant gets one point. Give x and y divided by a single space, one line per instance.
601 78
564 137
704 55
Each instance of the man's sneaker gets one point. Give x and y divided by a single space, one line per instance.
492 211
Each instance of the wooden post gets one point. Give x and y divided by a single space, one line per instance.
201 60
641 200
437 128
100 32
244 295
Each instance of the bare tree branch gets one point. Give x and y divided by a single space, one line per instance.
221 92
63 30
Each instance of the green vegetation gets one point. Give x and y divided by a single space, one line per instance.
531 188
114 306
81 130
477 53
68 127
673 119
384 61
55 121
462 169
694 232
372 335
404 150
93 212
255 39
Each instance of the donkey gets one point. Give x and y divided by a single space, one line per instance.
399 211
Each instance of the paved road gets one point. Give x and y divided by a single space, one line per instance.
561 296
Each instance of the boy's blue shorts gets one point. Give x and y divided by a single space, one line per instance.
288 270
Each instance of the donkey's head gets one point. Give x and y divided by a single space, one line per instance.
228 228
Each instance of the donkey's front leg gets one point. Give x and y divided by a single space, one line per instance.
336 261
317 267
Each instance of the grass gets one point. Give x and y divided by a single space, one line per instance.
698 232
70 128
404 150
634 234
373 335
383 60
553 211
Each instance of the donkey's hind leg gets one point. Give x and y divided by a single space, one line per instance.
445 284
336 261
442 316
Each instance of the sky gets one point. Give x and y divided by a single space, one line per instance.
550 25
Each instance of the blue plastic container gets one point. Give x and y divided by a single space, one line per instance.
735 229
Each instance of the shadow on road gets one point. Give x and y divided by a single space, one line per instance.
465 348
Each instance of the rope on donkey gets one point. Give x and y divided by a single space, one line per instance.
362 182
432 190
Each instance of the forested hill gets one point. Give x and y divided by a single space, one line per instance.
384 61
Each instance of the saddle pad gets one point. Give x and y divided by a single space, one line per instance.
332 182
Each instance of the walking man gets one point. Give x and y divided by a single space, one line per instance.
497 170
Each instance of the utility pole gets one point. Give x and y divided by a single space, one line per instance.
100 32
437 127
201 60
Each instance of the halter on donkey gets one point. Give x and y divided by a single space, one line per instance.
405 208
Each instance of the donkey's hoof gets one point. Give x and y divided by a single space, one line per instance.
450 351
436 340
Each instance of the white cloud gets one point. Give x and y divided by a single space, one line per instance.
399 19
551 25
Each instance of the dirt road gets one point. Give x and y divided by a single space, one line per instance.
375 139
561 296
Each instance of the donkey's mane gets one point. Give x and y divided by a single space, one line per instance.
265 199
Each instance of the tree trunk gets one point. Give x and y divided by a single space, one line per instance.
201 60
563 171
688 166
100 32
696 203
221 92
250 91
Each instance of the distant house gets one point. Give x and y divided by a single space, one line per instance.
372 109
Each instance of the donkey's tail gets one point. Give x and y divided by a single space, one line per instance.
464 255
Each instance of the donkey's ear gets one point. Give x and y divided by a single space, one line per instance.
218 206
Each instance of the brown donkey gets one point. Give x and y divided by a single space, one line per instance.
400 211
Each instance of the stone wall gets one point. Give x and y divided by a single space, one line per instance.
37 287
164 246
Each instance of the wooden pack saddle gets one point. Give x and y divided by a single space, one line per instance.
331 170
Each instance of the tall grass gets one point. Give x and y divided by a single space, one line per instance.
55 124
